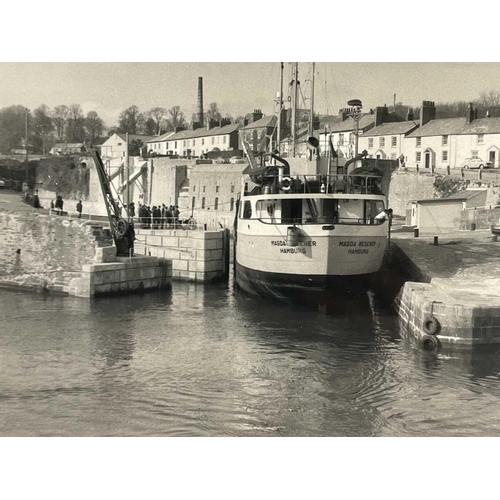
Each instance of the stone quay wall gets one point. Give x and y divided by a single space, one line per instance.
484 218
123 275
42 250
198 256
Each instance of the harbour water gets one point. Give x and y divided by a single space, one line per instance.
211 361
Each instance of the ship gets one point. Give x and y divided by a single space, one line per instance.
301 236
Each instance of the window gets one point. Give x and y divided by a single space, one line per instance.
203 202
166 146
175 144
419 142
445 156
194 188
393 156
204 188
213 139
394 141
475 153
194 142
418 157
231 208
382 142
119 144
445 140
203 142
351 137
341 138
370 142
224 139
216 189
232 189
216 204
193 202
247 210
480 138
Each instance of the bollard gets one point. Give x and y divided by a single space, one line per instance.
480 174
415 232
463 173
473 226
448 170
436 240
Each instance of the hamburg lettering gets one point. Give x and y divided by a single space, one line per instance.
355 243
293 250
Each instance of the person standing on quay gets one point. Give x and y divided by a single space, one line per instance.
79 208
36 200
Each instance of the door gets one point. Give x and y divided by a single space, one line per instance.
427 160
492 158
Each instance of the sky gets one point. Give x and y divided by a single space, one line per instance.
237 87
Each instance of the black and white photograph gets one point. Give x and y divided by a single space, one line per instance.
224 257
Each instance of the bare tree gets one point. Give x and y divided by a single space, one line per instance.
177 117
75 129
159 117
213 112
42 126
59 118
94 125
131 120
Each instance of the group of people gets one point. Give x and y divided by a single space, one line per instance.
159 216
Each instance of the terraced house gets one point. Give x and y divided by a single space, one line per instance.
217 136
454 141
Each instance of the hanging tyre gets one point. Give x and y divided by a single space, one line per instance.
431 325
429 342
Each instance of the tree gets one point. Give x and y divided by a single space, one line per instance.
177 117
131 120
12 127
42 126
489 98
213 113
59 119
94 125
159 118
76 121
134 147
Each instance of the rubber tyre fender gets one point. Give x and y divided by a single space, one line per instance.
431 325
429 343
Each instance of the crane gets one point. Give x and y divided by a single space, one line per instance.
122 230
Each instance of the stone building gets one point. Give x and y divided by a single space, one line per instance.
210 194
116 145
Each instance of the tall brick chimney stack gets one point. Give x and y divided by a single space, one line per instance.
427 112
199 114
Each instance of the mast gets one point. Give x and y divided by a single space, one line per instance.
294 108
311 126
280 109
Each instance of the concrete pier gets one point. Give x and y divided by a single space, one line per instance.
452 292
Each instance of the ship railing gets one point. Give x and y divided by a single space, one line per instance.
369 221
335 183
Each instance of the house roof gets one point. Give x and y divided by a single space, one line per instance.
265 121
135 137
467 195
460 196
200 132
393 128
163 137
348 124
482 126
443 126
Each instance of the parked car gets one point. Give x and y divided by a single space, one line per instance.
2 184
476 162
236 159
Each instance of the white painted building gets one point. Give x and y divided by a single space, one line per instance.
116 145
387 140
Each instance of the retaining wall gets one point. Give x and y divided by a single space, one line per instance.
37 248
197 256
123 275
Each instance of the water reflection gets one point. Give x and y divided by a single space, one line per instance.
212 361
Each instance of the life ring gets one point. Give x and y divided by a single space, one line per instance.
286 183
431 325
